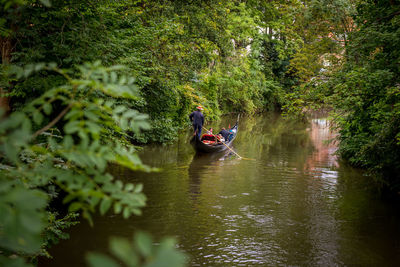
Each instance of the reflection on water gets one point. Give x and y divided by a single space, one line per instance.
295 204
201 164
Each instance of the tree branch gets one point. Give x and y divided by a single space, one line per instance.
53 122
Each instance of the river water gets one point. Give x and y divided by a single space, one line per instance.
291 203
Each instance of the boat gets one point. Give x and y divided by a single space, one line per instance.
209 144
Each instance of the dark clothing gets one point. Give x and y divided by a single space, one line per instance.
197 119
225 134
197 130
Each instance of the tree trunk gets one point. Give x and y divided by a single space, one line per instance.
6 48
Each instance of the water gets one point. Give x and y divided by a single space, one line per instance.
292 203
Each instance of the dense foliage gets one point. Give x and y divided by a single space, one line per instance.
82 128
359 79
65 122
217 54
366 92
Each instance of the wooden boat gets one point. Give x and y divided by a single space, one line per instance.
206 145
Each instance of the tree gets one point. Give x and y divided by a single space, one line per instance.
366 93
69 153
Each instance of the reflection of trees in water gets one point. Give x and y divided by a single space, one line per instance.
289 150
324 151
278 141
273 139
199 166
319 191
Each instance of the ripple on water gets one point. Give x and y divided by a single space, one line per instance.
293 205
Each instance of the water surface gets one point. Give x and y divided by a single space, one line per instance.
291 203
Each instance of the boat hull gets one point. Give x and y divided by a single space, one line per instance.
199 146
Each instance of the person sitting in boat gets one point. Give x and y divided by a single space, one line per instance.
197 119
210 131
224 133
220 138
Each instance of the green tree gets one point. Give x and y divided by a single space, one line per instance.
365 92
69 152
169 46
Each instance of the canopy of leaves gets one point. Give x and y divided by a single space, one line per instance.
73 157
227 52
366 92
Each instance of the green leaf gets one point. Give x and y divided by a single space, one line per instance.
129 187
120 109
137 212
72 127
52 65
21 220
122 80
122 249
91 115
88 217
105 205
28 70
47 108
100 260
138 188
126 213
39 66
37 117
75 206
119 184
46 3
69 198
68 142
144 243
117 207
10 151
113 77
93 127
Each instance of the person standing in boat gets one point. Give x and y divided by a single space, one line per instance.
197 119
